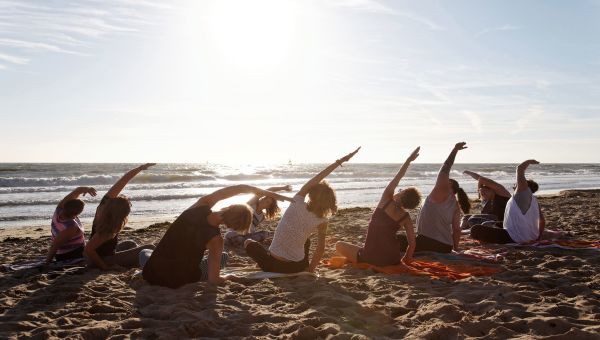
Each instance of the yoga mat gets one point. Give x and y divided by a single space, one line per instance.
254 274
40 264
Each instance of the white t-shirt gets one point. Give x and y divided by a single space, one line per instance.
522 227
294 228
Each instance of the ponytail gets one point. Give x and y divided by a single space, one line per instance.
461 196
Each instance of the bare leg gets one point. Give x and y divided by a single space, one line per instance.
349 251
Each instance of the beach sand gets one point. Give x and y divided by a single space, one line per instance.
549 293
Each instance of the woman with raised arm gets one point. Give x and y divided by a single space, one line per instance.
494 197
523 219
103 249
179 256
68 239
438 224
263 207
383 246
289 251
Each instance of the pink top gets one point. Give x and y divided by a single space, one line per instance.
59 225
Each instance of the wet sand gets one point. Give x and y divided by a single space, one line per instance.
545 293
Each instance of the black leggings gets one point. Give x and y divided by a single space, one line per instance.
268 263
490 234
73 254
425 243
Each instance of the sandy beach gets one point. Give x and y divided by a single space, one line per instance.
541 293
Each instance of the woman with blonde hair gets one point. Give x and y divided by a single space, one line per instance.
289 250
383 247
263 207
179 256
103 249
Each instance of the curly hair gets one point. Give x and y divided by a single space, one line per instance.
321 200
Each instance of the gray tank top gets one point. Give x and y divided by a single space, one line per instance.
435 220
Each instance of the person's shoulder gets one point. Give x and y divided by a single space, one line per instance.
198 210
298 198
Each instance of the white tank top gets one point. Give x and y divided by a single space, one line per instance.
294 228
522 227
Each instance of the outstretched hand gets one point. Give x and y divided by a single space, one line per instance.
89 190
146 166
460 146
348 156
531 161
471 173
414 154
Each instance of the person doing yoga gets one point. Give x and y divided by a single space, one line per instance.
68 240
523 218
438 224
382 246
103 249
179 256
263 207
289 250
493 196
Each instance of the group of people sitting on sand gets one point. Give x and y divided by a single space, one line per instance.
179 257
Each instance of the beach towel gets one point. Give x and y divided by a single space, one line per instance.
257 274
433 269
474 254
40 264
562 244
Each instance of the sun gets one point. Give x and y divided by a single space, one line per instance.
252 35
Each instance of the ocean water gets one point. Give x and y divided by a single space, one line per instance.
29 192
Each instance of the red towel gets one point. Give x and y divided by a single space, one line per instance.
433 269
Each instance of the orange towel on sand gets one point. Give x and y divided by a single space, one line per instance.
434 269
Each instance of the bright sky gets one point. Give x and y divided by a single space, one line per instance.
307 80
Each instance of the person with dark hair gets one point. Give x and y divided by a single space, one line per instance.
438 224
523 219
68 240
103 249
493 196
263 207
179 256
289 251
383 246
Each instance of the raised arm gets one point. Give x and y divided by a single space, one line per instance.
521 180
388 193
442 186
324 173
76 193
116 189
221 194
256 197
498 188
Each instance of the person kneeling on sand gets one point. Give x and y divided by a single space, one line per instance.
438 224
383 247
103 248
493 196
179 256
523 219
289 251
263 207
68 240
